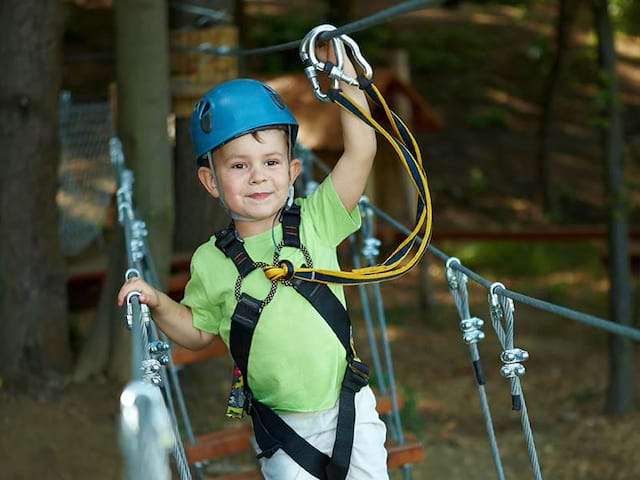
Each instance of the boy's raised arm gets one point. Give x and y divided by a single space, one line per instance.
350 174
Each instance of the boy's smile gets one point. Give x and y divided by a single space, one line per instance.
252 175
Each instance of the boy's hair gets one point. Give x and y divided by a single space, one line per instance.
203 161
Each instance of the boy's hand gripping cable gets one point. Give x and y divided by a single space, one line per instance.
405 256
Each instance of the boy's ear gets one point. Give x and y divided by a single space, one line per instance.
208 181
295 167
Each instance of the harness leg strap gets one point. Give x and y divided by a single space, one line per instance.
356 377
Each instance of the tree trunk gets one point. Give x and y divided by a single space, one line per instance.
142 69
33 302
563 27
621 386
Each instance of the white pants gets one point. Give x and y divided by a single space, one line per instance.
368 456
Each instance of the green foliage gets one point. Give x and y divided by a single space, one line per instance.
488 118
411 419
518 258
626 14
477 180
454 48
273 30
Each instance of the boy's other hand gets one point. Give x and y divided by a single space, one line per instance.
148 295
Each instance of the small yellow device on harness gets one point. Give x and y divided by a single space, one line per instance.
404 256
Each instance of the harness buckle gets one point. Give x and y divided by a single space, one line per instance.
226 238
247 311
356 376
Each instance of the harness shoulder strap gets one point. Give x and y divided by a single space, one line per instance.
291 226
228 242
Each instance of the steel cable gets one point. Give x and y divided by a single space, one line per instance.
356 26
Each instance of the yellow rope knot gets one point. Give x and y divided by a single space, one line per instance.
284 271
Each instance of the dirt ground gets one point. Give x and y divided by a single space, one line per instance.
480 165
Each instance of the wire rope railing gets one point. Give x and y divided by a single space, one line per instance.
148 425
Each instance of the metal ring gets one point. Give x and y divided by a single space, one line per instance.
451 260
495 285
131 272
131 294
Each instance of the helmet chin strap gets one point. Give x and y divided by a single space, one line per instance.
235 216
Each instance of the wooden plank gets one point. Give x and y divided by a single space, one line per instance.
184 356
220 443
410 452
235 440
383 403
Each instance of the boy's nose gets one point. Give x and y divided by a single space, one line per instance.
257 176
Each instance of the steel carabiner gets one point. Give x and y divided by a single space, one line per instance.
313 65
358 58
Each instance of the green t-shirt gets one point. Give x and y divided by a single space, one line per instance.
296 363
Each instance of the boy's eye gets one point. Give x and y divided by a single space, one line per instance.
237 165
272 162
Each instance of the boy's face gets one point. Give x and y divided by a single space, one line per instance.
254 175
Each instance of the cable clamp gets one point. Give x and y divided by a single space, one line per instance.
139 229
371 247
512 360
158 350
471 332
512 370
515 355
150 369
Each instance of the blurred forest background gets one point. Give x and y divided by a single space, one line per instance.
529 122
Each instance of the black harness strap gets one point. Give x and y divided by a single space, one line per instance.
271 432
227 240
291 226
330 308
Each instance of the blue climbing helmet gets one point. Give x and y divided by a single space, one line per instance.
234 108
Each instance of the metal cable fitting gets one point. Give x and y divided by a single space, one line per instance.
515 355
158 350
512 360
494 301
158 346
471 332
131 272
151 371
139 229
512 370
453 279
371 247
129 315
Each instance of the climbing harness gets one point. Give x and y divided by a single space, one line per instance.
271 432
402 259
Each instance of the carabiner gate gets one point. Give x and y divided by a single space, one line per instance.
313 65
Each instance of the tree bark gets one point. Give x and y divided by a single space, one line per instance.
620 390
33 303
563 27
142 71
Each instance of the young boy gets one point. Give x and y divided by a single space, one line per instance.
313 414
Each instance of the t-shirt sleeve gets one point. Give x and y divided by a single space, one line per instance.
206 314
331 220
